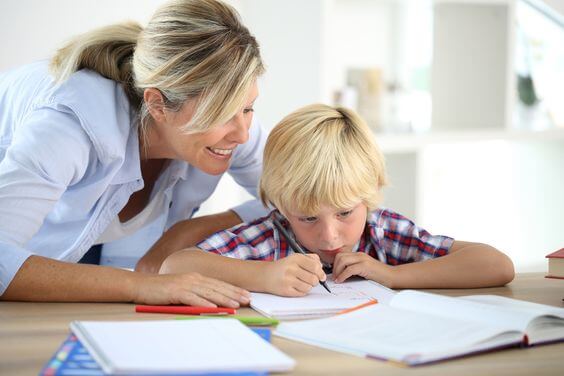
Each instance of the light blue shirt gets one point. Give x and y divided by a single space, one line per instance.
69 161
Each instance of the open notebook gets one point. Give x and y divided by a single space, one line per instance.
319 302
178 347
417 327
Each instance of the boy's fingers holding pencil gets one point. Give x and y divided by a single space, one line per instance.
307 276
317 267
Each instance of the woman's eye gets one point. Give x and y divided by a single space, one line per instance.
248 110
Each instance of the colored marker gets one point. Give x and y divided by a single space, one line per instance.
186 310
369 303
247 320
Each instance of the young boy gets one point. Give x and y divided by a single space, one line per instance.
323 173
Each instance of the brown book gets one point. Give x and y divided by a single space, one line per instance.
556 264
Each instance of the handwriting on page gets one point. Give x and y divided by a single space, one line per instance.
342 290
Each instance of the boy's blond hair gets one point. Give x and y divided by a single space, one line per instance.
321 155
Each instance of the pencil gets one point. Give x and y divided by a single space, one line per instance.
294 245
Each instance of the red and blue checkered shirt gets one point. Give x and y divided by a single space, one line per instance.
388 236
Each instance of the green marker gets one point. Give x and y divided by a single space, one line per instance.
247 320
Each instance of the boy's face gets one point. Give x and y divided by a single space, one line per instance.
329 232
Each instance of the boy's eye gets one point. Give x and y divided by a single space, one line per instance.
345 214
308 219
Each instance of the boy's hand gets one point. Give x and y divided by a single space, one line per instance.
349 264
294 275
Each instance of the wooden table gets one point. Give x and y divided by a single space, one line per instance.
31 332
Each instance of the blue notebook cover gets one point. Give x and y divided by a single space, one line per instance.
72 359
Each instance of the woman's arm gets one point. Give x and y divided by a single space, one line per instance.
183 235
467 265
44 279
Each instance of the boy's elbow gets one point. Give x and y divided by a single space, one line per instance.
177 262
167 267
508 272
505 271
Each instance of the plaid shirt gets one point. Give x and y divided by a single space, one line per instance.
388 236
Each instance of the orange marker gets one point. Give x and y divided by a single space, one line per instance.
372 302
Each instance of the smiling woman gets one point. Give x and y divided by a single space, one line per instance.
209 151
128 127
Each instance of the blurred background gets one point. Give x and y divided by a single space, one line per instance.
465 97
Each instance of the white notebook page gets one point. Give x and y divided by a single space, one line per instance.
342 296
178 346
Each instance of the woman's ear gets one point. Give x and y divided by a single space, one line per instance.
155 104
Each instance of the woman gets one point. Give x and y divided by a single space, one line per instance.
124 128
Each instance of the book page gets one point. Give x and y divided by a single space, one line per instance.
388 332
318 301
514 304
546 322
177 346
504 318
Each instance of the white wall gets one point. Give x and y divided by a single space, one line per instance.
507 194
31 30
305 45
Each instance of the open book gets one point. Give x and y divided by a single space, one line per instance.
319 302
417 327
178 347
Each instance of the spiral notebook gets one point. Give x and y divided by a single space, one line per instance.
72 359
319 302
178 347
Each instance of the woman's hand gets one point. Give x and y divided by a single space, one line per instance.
348 264
294 275
189 289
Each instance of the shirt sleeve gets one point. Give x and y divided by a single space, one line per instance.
403 241
247 241
246 169
48 152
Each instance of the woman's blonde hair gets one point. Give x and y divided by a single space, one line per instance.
190 49
321 155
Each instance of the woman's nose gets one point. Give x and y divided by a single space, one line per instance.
239 129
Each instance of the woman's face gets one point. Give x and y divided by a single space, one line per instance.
209 151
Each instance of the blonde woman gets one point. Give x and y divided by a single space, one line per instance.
323 173
126 127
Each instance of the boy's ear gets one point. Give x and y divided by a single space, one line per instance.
155 104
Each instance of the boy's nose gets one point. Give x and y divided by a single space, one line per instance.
329 234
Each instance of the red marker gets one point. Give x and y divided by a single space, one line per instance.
186 310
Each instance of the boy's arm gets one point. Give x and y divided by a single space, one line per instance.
249 273
467 265
291 276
